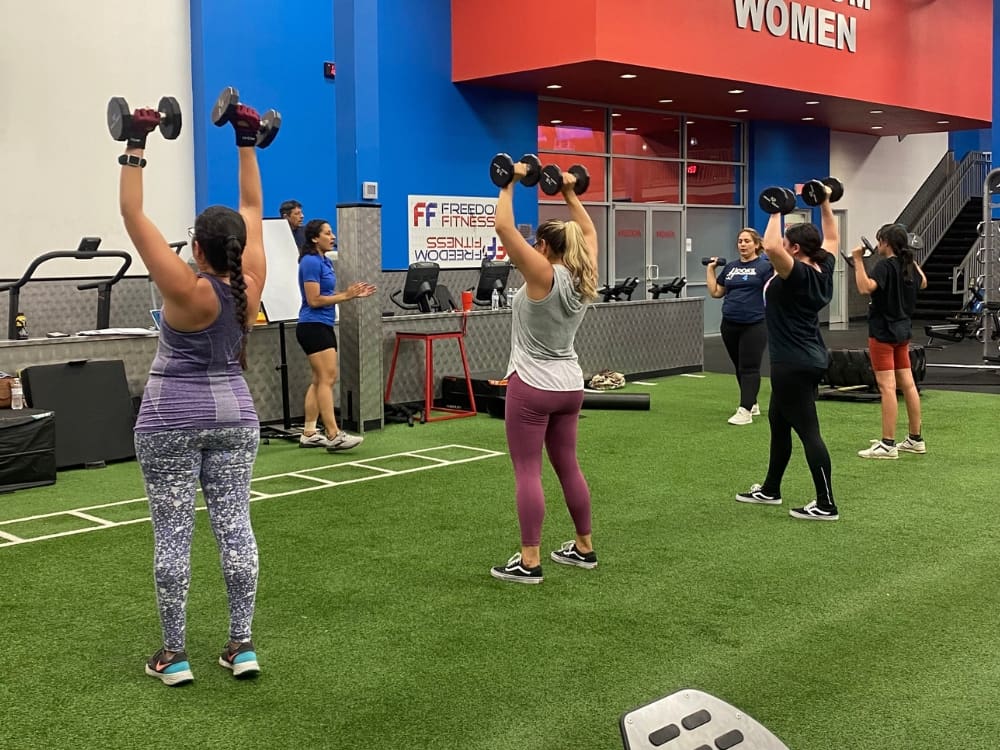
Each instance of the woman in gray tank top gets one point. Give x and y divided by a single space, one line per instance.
545 383
197 422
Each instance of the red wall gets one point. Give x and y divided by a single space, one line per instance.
933 55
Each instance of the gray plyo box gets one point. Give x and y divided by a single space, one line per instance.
693 720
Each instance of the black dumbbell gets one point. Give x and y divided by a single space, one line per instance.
120 118
225 108
552 180
776 200
814 191
502 170
718 261
869 251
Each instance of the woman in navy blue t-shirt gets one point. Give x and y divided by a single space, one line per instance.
315 334
741 287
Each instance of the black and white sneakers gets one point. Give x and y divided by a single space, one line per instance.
568 554
756 495
515 570
812 512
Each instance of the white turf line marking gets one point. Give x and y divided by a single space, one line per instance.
642 382
691 375
10 540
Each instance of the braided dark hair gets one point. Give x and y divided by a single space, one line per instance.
807 237
222 234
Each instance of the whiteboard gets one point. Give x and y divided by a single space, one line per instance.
281 296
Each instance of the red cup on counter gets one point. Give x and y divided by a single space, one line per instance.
466 300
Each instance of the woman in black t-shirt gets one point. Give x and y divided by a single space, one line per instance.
892 285
802 285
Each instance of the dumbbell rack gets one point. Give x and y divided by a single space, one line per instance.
991 255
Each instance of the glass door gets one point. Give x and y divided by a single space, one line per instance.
647 247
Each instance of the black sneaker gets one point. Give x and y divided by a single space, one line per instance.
812 512
242 661
568 554
516 571
756 495
173 671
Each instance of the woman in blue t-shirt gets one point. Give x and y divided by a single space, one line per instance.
315 334
741 284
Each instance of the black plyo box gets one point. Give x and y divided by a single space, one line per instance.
486 388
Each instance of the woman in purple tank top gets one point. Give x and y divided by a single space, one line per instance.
197 423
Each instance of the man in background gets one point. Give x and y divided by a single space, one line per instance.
291 211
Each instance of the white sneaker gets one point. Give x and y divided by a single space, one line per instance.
755 410
879 450
316 440
343 442
742 416
912 446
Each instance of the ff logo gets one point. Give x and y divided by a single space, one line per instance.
425 211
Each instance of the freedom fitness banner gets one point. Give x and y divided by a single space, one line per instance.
453 231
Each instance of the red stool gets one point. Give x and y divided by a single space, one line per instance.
429 339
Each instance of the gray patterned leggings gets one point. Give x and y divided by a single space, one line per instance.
173 462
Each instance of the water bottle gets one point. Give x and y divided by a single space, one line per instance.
510 296
16 394
21 326
495 300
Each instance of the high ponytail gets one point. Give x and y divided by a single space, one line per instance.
566 240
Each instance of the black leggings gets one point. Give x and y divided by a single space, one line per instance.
793 407
745 343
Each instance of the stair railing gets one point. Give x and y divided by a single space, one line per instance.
964 184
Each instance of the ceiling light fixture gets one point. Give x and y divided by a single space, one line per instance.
735 91
741 111
627 75
943 122
876 127
875 111
553 86
812 102
631 128
616 114
555 122
666 101
807 119
689 122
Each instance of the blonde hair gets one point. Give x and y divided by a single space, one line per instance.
755 236
565 238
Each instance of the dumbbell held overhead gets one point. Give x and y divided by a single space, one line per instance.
120 118
776 200
502 170
225 110
552 179
815 192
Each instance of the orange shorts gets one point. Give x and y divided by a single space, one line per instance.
889 356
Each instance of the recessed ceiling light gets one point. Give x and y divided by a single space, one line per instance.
553 86
666 101
741 111
735 91
616 114
690 122
876 127
875 111
943 122
556 122
631 129
808 118
812 102
627 75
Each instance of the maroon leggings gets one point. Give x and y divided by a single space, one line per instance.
535 417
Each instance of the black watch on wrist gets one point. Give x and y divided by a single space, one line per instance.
131 160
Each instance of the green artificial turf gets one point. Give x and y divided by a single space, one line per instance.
378 625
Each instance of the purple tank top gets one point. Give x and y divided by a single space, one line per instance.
195 381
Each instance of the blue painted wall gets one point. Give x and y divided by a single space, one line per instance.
436 137
784 155
402 123
964 141
273 53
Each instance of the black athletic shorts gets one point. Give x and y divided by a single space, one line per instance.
315 337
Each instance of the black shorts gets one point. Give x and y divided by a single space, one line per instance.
315 337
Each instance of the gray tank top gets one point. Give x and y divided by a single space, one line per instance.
195 381
543 333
